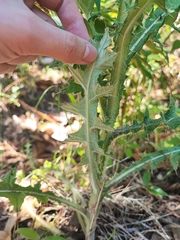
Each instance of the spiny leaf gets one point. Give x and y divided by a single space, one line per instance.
175 160
100 125
10 177
84 161
126 129
87 107
76 108
16 194
78 75
170 118
86 7
101 91
150 124
88 79
154 159
105 42
78 136
105 58
122 60
137 126
106 61
142 33
72 88
98 4
172 5
123 11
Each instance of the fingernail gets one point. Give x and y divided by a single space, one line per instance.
90 53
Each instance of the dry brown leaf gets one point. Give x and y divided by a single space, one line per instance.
176 231
156 236
4 236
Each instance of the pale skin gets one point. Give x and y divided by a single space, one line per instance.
26 32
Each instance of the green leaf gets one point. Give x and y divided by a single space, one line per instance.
28 233
146 178
99 25
80 151
123 11
170 118
106 61
98 4
72 88
134 145
142 65
136 126
56 63
175 161
157 191
16 197
122 45
176 45
153 158
150 124
100 125
1 151
173 141
87 107
16 194
77 108
42 96
10 177
101 91
171 18
77 136
142 33
172 5
86 7
55 238
78 75
128 152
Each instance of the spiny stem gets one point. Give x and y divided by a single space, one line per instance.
121 62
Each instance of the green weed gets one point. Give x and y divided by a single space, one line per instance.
120 36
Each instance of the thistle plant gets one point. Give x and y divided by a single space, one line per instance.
102 87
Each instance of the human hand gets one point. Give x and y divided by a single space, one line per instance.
26 32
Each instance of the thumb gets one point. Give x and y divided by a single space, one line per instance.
47 40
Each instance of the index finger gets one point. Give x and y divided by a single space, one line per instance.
69 15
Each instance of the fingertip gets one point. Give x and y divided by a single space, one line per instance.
7 68
45 39
78 28
90 53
